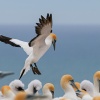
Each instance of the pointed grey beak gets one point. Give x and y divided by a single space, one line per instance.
52 92
54 44
72 83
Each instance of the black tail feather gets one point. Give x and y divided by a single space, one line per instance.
22 74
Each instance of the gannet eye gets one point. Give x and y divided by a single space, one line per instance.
51 31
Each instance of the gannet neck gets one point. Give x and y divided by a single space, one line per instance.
69 88
48 40
69 92
96 85
47 90
47 93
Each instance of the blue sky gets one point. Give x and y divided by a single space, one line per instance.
64 11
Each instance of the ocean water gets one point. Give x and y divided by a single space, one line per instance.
77 53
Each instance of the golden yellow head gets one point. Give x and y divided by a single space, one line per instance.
20 96
49 86
65 80
96 98
5 89
53 36
97 75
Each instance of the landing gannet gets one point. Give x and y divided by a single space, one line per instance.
41 43
48 90
16 86
88 87
96 83
38 45
67 84
33 87
7 93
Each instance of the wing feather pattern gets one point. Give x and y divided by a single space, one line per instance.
42 29
7 41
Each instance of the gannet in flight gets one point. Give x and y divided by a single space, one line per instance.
37 47
41 43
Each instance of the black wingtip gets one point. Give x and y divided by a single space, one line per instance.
6 40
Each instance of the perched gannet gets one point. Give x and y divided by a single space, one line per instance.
48 90
33 87
16 86
96 83
88 87
7 93
84 95
5 73
41 43
96 98
25 96
67 84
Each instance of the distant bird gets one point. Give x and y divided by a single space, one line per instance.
37 47
5 73
16 86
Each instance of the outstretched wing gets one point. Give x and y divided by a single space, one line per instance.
43 29
7 40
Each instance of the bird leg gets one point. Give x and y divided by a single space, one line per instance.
22 74
33 69
37 70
